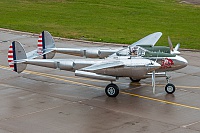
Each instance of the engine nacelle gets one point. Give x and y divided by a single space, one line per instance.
98 53
65 65
91 53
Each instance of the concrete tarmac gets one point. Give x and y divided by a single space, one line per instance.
43 100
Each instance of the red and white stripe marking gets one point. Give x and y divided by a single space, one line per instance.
10 57
40 47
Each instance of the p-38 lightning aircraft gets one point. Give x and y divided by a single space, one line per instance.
145 47
110 68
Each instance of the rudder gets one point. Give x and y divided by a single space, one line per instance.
45 43
16 54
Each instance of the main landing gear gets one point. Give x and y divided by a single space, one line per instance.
112 90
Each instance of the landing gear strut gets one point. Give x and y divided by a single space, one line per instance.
112 90
169 88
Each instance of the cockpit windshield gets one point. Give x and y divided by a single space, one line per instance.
141 51
133 51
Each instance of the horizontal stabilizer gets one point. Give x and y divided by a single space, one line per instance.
32 54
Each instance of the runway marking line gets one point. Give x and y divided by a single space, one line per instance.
123 92
194 123
57 78
161 101
70 77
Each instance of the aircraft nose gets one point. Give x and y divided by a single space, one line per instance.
182 60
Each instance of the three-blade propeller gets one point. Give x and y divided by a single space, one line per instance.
173 50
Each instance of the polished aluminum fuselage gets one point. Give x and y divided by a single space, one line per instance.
135 67
132 67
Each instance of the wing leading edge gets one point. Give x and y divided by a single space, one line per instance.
103 65
149 40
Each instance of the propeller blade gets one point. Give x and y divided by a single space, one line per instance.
130 51
175 51
177 47
170 44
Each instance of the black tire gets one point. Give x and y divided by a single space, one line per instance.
134 80
112 90
170 88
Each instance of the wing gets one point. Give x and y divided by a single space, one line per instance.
104 65
149 40
84 71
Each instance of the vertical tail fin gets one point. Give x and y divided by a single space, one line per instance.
46 45
16 54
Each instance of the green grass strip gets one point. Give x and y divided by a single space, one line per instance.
121 21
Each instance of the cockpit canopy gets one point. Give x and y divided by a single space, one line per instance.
133 51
